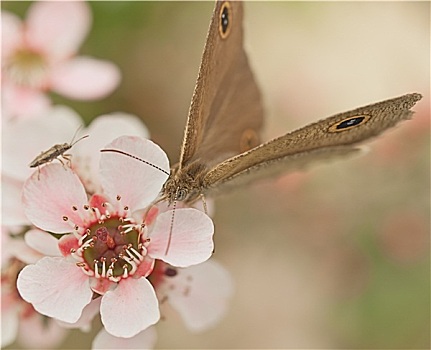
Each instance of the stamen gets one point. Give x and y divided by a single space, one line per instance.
103 260
115 279
110 272
84 236
137 253
96 212
70 223
96 269
84 268
77 235
76 254
125 271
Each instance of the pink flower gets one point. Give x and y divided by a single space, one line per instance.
110 252
56 126
144 340
40 55
20 322
200 294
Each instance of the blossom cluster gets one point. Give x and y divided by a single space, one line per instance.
83 236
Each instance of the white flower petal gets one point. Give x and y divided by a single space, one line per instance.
15 246
130 308
136 182
191 239
23 140
11 34
42 242
57 28
49 196
9 320
56 288
144 340
12 210
103 129
84 78
201 294
84 322
19 102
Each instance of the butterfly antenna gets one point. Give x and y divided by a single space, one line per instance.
172 225
135 157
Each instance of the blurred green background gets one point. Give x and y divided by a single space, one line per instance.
337 257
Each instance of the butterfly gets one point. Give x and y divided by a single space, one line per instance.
222 147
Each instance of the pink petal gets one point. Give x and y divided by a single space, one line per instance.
11 34
56 288
137 183
84 322
19 102
144 340
191 240
101 285
201 294
66 243
42 242
49 199
130 308
9 321
146 267
12 213
38 332
58 28
56 126
85 78
103 129
19 249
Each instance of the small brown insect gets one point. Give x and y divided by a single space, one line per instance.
55 152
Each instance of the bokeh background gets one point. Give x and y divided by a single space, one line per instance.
337 257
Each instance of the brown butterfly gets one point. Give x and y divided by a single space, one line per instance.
221 147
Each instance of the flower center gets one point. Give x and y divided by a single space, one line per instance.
110 250
27 68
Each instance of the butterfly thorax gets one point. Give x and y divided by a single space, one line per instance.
186 183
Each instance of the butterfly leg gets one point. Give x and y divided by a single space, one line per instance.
204 202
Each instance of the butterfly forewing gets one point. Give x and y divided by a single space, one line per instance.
226 113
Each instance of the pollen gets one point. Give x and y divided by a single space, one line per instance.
27 68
